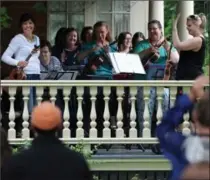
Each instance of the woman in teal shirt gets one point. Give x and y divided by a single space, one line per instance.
99 47
154 70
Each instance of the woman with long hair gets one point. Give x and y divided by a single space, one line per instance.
71 47
97 49
137 37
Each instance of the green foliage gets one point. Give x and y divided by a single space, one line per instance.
4 18
40 7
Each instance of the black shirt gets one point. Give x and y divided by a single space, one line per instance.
191 63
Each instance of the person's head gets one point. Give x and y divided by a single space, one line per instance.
46 118
71 37
101 32
196 171
27 24
45 50
201 114
124 41
6 150
137 37
196 24
60 38
86 34
154 30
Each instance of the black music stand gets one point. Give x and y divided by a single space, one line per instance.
59 75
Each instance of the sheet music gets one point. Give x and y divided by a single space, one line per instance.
126 63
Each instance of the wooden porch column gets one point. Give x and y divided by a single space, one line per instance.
186 8
156 11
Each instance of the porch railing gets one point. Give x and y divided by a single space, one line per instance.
107 138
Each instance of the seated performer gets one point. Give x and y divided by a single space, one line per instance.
48 62
182 150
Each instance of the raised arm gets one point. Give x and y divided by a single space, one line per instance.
170 139
194 43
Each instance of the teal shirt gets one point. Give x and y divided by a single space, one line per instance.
143 45
103 70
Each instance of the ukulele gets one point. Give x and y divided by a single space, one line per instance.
169 65
18 73
150 57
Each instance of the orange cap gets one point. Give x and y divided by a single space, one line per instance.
46 116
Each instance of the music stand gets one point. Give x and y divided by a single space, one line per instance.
59 75
67 75
45 75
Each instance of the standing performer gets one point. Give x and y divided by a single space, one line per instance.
192 51
20 48
182 150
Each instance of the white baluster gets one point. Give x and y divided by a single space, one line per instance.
120 131
133 130
12 131
39 93
80 130
106 130
66 113
159 110
25 116
146 129
53 92
93 130
173 91
186 124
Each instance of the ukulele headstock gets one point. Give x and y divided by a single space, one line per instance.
35 50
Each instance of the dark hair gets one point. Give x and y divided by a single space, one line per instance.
6 150
99 24
67 31
136 36
155 22
121 38
44 43
202 110
60 38
84 31
25 17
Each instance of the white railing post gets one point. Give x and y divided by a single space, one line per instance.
12 131
106 130
120 131
39 93
53 92
80 130
173 92
186 124
146 124
93 130
66 114
159 108
25 116
133 131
